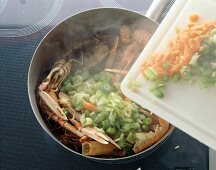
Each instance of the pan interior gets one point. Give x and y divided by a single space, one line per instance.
69 37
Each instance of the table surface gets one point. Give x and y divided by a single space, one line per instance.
23 143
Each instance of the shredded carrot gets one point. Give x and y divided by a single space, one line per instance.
179 50
90 106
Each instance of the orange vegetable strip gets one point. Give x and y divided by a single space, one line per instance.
90 106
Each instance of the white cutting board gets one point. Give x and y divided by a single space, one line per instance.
187 107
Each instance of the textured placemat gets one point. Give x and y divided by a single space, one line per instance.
23 143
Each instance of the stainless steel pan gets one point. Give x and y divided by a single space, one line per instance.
66 35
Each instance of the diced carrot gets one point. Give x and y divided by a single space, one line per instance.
90 106
194 18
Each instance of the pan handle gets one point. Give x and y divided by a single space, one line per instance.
156 9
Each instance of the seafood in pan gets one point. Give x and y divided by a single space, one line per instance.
83 105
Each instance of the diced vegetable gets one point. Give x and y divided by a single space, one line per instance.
145 128
158 93
107 87
140 136
127 120
130 138
147 121
151 74
194 59
88 122
111 130
93 115
100 118
106 123
90 106
135 125
103 107
176 77
68 87
134 84
126 127
77 80
112 116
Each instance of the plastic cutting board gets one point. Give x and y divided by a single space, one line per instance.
186 106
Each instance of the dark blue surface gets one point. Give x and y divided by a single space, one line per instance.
24 145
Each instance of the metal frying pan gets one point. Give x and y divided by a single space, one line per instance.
66 35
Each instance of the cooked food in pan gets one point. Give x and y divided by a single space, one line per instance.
190 57
83 105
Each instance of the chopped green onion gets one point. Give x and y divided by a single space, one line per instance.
140 136
213 52
93 115
122 143
158 93
118 125
126 127
112 116
139 121
194 59
69 87
134 84
214 39
142 116
151 74
127 120
210 41
106 123
145 128
214 74
107 87
185 71
77 80
176 77
71 93
88 122
105 77
130 138
117 136
135 125
165 78
100 118
213 32
96 77
134 115
63 89
85 74
147 121
110 130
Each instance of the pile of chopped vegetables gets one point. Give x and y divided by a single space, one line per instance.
101 104
191 57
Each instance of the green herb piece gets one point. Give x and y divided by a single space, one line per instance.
151 74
